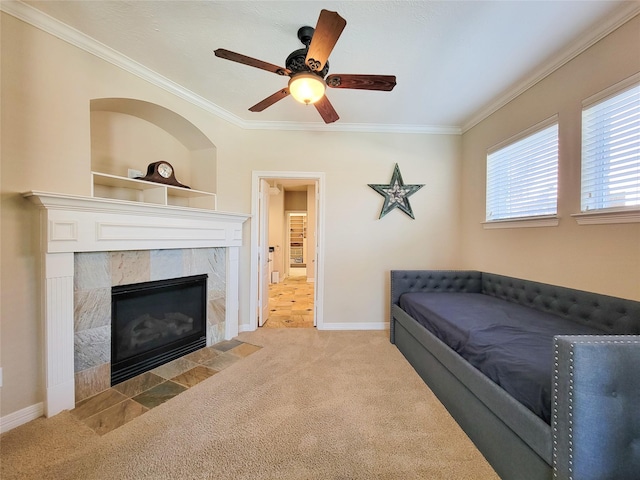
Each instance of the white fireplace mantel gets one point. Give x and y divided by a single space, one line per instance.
71 223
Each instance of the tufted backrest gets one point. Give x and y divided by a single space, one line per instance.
612 315
404 281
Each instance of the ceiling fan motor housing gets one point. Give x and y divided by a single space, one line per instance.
305 34
296 61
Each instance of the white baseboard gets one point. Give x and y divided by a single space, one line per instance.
337 326
245 328
355 326
15 419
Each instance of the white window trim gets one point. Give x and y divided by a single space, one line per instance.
523 222
611 91
525 133
609 215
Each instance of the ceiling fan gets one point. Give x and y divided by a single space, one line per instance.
308 67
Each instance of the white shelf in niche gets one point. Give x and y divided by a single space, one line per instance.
104 185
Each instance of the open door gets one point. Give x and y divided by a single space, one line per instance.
315 259
263 254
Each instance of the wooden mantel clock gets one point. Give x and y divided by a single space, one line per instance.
162 172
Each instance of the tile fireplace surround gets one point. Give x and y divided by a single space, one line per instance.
73 225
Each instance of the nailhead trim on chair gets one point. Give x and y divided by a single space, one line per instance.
556 365
556 374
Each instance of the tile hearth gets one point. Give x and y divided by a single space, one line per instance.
120 404
96 273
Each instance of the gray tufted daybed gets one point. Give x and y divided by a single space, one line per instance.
545 380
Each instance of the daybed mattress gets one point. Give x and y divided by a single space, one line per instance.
509 343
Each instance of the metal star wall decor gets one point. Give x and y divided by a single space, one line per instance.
396 194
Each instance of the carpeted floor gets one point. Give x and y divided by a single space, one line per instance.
308 405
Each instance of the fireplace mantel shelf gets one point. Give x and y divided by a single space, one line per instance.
74 223
70 224
109 205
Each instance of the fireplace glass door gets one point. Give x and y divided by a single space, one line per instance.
155 322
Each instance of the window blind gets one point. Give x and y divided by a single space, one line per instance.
611 152
522 177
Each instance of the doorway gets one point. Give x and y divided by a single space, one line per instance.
297 244
277 258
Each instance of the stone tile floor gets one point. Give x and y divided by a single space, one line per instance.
122 403
291 304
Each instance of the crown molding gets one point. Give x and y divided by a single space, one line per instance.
64 32
74 37
594 35
355 128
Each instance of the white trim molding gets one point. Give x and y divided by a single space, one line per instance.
48 24
606 216
256 176
86 224
354 326
71 224
232 298
545 221
15 419
594 35
612 90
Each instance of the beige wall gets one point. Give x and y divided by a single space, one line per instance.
47 86
360 249
295 201
600 258
120 141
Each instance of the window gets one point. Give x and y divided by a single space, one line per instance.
611 151
522 175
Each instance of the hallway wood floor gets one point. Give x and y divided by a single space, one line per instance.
291 304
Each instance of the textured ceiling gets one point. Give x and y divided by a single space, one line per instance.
454 60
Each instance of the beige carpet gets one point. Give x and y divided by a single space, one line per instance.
309 405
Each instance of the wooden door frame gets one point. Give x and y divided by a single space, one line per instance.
264 278
318 177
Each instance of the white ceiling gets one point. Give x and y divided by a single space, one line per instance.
455 61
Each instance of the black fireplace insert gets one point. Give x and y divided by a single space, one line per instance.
155 322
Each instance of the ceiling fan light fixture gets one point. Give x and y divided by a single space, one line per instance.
306 87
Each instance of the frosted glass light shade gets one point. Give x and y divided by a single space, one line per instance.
306 87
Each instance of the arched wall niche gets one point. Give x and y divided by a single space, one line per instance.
128 134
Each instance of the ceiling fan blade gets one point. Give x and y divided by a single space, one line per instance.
270 100
252 62
362 82
327 32
326 110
